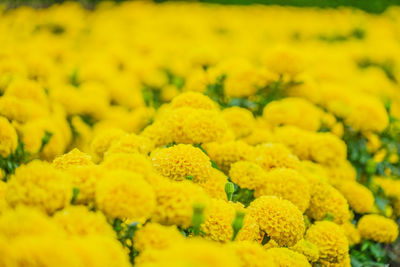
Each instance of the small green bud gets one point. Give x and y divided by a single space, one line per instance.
229 190
75 193
190 177
237 223
370 166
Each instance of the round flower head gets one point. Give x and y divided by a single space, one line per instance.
27 221
330 240
8 138
72 159
3 202
240 120
125 195
283 257
215 185
218 218
327 201
21 110
156 236
79 221
290 111
247 174
137 163
224 154
258 136
131 143
352 233
158 133
193 100
180 161
378 228
287 184
273 155
40 185
327 148
284 61
360 198
251 254
279 219
27 89
175 202
342 170
103 139
308 249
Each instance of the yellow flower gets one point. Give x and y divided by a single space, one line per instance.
175 201
283 257
360 198
293 111
27 89
279 219
180 161
137 163
193 100
240 120
38 184
327 201
251 254
308 249
125 195
156 236
287 184
79 221
224 154
131 143
3 202
8 138
352 233
247 174
378 228
273 155
72 159
330 240
215 185
103 139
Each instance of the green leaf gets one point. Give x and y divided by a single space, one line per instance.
45 140
75 193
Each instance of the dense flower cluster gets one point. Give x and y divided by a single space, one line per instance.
126 138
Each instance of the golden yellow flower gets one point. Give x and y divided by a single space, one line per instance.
8 138
247 174
378 228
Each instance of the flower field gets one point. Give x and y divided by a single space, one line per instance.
199 135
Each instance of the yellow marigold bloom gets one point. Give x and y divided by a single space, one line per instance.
218 218
330 240
8 138
251 254
79 221
215 184
85 179
158 133
40 185
137 163
270 244
3 202
325 201
131 143
284 60
175 201
193 100
373 142
72 159
308 249
343 263
391 187
360 198
180 161
21 110
279 219
313 172
27 221
351 232
247 174
343 170
250 230
192 252
272 155
224 154
378 228
27 89
125 195
156 236
258 136
291 111
284 257
240 120
103 139
287 184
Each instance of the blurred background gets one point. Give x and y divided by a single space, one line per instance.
372 6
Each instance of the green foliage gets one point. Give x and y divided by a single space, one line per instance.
370 254
387 67
197 218
237 223
125 233
356 34
152 96
243 195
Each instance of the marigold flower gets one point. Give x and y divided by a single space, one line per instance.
215 184
103 139
137 163
247 174
240 120
272 155
125 195
308 249
286 257
251 254
40 185
72 159
287 184
330 240
279 219
131 143
352 233
193 100
179 161
8 138
360 198
378 228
